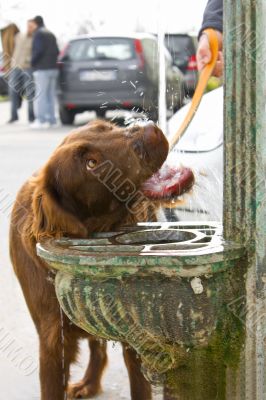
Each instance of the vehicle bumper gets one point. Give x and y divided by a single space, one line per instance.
92 100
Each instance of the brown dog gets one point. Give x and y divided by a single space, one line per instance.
67 198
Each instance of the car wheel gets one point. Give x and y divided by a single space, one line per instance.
100 113
153 115
66 116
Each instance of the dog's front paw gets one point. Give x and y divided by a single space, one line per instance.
83 390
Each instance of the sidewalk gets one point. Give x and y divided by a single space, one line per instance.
21 152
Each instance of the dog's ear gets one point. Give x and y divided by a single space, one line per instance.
50 219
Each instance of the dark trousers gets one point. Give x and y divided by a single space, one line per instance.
21 86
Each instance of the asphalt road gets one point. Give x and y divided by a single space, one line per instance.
22 151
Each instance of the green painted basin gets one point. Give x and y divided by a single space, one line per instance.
165 289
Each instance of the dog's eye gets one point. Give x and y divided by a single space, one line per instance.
91 164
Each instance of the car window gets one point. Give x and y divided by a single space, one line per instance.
101 49
168 58
179 43
150 47
181 48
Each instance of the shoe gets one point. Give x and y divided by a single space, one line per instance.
12 120
39 125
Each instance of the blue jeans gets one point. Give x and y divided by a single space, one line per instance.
44 102
21 86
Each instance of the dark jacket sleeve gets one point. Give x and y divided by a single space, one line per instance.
213 16
37 48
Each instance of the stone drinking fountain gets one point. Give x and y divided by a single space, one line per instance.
190 297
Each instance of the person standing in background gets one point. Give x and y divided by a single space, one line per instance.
21 83
44 64
8 32
213 18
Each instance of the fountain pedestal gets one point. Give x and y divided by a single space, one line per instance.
167 290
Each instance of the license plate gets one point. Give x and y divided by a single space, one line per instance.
101 75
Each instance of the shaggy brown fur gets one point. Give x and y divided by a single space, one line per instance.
68 197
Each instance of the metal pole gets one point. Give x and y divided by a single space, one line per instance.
245 174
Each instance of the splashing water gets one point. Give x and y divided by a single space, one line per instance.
63 351
157 392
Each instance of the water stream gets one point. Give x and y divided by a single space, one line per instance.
63 352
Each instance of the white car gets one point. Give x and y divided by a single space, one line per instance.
201 149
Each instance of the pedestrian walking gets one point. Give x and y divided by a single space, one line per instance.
21 84
44 63
213 18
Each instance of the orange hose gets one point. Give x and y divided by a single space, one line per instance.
200 89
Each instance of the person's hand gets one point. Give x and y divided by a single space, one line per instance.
204 54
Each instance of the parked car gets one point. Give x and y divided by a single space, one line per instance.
201 148
108 72
3 82
183 48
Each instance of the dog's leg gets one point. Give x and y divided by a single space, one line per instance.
139 387
90 385
58 349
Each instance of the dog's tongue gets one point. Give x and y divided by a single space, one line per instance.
168 182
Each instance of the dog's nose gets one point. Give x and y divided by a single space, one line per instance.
152 136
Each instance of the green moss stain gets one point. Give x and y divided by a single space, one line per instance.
202 375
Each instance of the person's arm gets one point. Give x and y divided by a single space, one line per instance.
213 18
37 48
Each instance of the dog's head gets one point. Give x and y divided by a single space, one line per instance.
94 177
